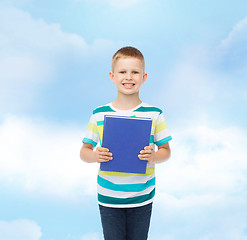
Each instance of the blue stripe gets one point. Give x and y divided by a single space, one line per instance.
133 200
87 140
148 109
103 109
163 141
151 139
125 187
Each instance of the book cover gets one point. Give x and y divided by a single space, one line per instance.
125 137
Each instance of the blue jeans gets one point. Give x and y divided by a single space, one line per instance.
125 223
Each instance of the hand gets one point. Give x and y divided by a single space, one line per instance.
103 155
147 154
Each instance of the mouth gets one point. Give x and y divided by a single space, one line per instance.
128 85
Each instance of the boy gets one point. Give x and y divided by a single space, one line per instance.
125 199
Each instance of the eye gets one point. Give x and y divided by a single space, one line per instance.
135 72
122 72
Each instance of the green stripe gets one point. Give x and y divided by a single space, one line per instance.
151 139
149 172
138 187
163 141
100 123
103 109
134 200
148 109
87 140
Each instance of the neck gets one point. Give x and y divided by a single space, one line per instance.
124 102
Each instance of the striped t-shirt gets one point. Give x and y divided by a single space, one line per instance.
124 190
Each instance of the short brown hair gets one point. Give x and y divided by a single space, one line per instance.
128 52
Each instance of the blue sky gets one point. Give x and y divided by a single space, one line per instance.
55 57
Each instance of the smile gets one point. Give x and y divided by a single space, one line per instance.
128 85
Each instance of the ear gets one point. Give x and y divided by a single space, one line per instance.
145 75
111 75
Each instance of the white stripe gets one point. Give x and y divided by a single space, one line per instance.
163 134
127 180
127 205
154 115
118 194
92 135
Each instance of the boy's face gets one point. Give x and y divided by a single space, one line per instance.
128 75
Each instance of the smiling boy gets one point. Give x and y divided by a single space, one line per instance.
125 199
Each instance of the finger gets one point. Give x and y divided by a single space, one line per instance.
145 159
105 153
144 155
105 157
102 160
149 148
102 149
146 151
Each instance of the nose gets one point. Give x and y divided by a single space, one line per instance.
128 76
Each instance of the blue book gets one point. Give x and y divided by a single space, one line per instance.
125 137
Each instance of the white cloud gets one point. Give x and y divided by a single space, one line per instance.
21 31
206 161
30 54
21 34
209 159
209 78
205 178
19 229
231 52
201 190
44 158
33 53
238 35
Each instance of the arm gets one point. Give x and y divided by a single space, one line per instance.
160 156
100 155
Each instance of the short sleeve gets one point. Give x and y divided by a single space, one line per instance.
161 133
92 135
